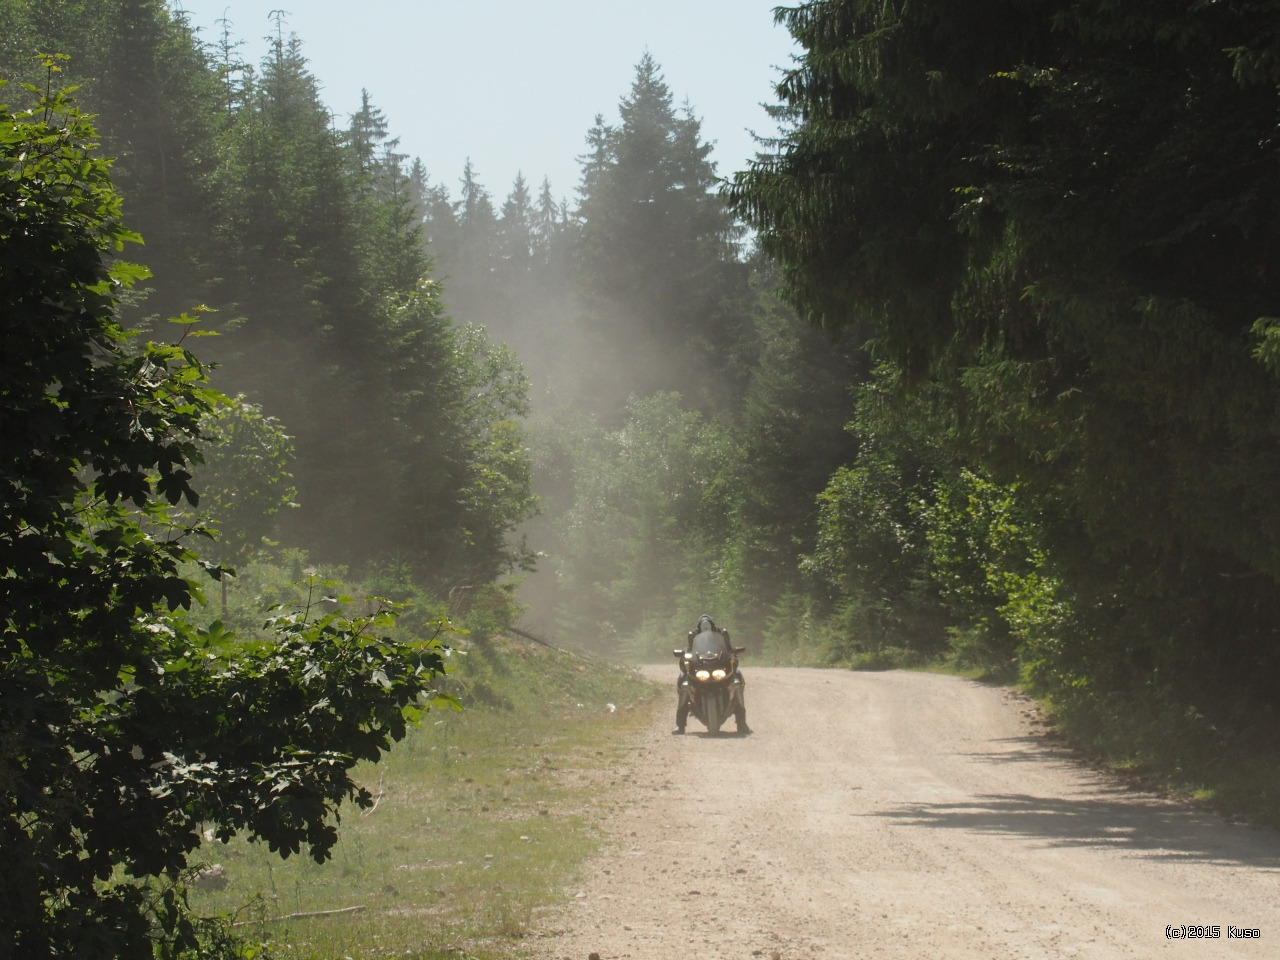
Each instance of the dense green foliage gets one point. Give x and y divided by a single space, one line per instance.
245 479
126 730
677 510
1058 226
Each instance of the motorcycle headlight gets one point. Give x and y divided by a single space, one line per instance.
718 674
702 675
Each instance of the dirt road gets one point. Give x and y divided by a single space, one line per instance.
903 815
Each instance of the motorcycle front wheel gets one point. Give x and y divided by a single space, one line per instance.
711 703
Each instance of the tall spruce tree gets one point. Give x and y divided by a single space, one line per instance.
657 254
549 226
515 232
289 226
388 209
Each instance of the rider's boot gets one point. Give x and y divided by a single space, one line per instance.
682 708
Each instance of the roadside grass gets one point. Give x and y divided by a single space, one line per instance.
481 819
1227 761
1229 765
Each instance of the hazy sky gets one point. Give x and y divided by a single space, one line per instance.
515 85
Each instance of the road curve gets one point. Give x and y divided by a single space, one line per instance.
903 815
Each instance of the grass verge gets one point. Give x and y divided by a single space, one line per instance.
482 818
1229 764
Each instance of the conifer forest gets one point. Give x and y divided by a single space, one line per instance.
976 364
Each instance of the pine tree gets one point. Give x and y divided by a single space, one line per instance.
437 216
291 229
657 256
388 202
367 134
477 226
515 231
549 221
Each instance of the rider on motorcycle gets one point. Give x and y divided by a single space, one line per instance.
706 625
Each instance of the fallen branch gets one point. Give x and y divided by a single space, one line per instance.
377 799
301 916
582 655
532 638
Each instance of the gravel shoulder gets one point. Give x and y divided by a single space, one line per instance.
901 815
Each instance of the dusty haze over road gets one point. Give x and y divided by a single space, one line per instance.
903 815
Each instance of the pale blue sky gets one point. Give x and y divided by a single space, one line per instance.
515 85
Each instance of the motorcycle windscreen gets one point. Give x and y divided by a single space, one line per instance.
708 644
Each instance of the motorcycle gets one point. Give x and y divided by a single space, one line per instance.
709 679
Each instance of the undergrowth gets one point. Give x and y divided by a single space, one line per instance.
1227 761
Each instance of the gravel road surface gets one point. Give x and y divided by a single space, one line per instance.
902 815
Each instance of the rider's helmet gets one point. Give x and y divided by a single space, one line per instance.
705 623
